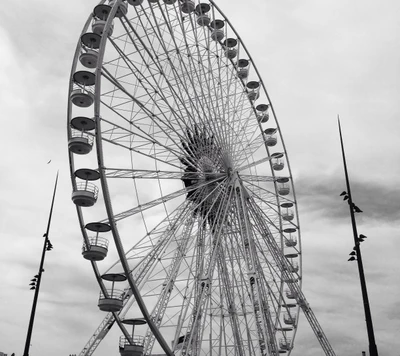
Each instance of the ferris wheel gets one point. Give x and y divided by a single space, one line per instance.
182 183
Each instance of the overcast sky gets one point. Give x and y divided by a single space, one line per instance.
318 58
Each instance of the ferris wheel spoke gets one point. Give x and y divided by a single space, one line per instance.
141 174
173 162
154 57
183 86
162 131
230 300
146 146
266 195
254 164
211 109
272 245
257 178
162 200
188 294
223 97
232 253
261 214
169 254
203 285
170 281
192 74
148 249
140 271
284 266
177 78
241 290
140 132
265 326
250 149
123 136
165 128
234 110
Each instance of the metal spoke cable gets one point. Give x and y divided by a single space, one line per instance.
294 287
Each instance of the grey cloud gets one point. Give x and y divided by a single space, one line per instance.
378 200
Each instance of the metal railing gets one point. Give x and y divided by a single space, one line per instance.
285 343
289 319
82 134
117 294
87 187
289 294
136 341
95 241
88 89
291 242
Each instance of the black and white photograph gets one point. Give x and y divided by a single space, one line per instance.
200 178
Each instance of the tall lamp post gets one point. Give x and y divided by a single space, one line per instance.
356 254
35 282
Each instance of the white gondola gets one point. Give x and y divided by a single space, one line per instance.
122 8
89 54
202 14
188 6
243 68
100 16
80 142
217 30
97 248
88 58
253 90
290 294
98 26
85 193
230 45
277 161
291 240
287 211
262 113
270 137
82 97
289 319
285 344
112 301
283 186
134 345
134 349
101 11
82 93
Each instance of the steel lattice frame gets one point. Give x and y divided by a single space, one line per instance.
210 274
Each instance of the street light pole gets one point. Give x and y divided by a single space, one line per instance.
373 351
47 246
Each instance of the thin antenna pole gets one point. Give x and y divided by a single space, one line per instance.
373 351
39 278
